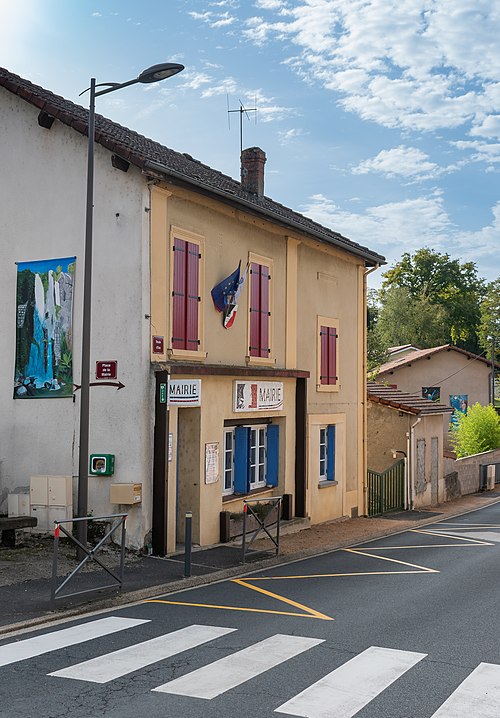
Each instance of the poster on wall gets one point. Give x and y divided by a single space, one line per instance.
44 329
433 393
458 402
211 462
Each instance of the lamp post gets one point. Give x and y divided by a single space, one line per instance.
151 74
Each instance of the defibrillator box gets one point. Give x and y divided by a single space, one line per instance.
102 464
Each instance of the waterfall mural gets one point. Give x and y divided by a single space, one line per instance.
44 356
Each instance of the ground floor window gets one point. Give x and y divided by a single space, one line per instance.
250 458
327 441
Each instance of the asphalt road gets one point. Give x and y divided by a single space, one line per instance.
402 627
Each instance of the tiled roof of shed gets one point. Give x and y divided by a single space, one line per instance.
414 356
178 167
410 403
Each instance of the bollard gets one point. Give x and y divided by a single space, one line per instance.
187 544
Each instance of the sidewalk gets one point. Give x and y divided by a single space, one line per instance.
25 572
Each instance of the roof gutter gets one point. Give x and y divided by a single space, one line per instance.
374 259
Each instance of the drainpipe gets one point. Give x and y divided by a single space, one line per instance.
412 462
365 377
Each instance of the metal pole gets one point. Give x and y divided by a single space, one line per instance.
492 394
83 455
244 544
187 543
55 555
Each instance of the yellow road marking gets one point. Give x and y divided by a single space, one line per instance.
237 608
432 545
470 541
392 560
334 575
310 611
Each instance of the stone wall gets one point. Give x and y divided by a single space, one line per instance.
462 475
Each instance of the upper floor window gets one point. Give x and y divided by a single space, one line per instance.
186 294
260 309
327 353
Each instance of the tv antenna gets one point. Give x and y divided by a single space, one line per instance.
242 111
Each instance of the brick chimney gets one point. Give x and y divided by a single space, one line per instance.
253 160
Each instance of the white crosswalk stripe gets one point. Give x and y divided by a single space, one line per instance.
229 672
342 693
118 663
478 696
30 647
346 690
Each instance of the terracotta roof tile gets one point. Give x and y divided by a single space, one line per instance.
414 356
410 403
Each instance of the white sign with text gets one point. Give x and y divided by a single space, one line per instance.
184 392
258 396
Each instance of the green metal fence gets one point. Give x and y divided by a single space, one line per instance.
386 491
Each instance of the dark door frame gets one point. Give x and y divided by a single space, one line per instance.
160 468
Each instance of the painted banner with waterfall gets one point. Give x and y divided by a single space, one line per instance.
44 329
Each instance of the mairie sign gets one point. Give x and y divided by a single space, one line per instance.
258 396
184 392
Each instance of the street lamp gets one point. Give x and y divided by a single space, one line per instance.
151 74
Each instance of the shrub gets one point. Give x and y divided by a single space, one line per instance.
478 430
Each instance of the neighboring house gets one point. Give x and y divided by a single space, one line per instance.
401 350
446 374
273 405
412 426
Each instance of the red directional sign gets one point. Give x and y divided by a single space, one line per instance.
106 369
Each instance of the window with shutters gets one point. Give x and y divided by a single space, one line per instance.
250 458
328 354
327 446
260 310
186 293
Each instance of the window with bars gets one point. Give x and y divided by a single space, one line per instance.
260 310
250 458
185 295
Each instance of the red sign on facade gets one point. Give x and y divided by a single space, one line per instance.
106 369
158 345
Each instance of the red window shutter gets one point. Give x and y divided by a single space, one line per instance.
328 348
254 349
264 311
185 297
192 296
332 355
179 295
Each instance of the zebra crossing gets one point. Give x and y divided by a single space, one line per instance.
341 693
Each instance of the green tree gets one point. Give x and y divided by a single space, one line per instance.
478 430
489 325
453 288
403 319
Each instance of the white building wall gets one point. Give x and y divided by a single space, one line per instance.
42 216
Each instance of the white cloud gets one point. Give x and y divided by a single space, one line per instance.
408 162
406 226
286 137
214 19
414 64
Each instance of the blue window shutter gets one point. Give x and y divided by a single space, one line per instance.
273 445
330 453
241 460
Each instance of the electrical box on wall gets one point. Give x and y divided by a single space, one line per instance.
102 464
125 493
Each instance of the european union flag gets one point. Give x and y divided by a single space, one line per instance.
223 292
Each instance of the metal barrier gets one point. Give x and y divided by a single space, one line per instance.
118 521
262 526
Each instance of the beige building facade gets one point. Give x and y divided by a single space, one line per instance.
264 398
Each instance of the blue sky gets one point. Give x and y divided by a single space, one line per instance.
379 118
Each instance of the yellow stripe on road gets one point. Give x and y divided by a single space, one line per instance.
311 611
234 608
